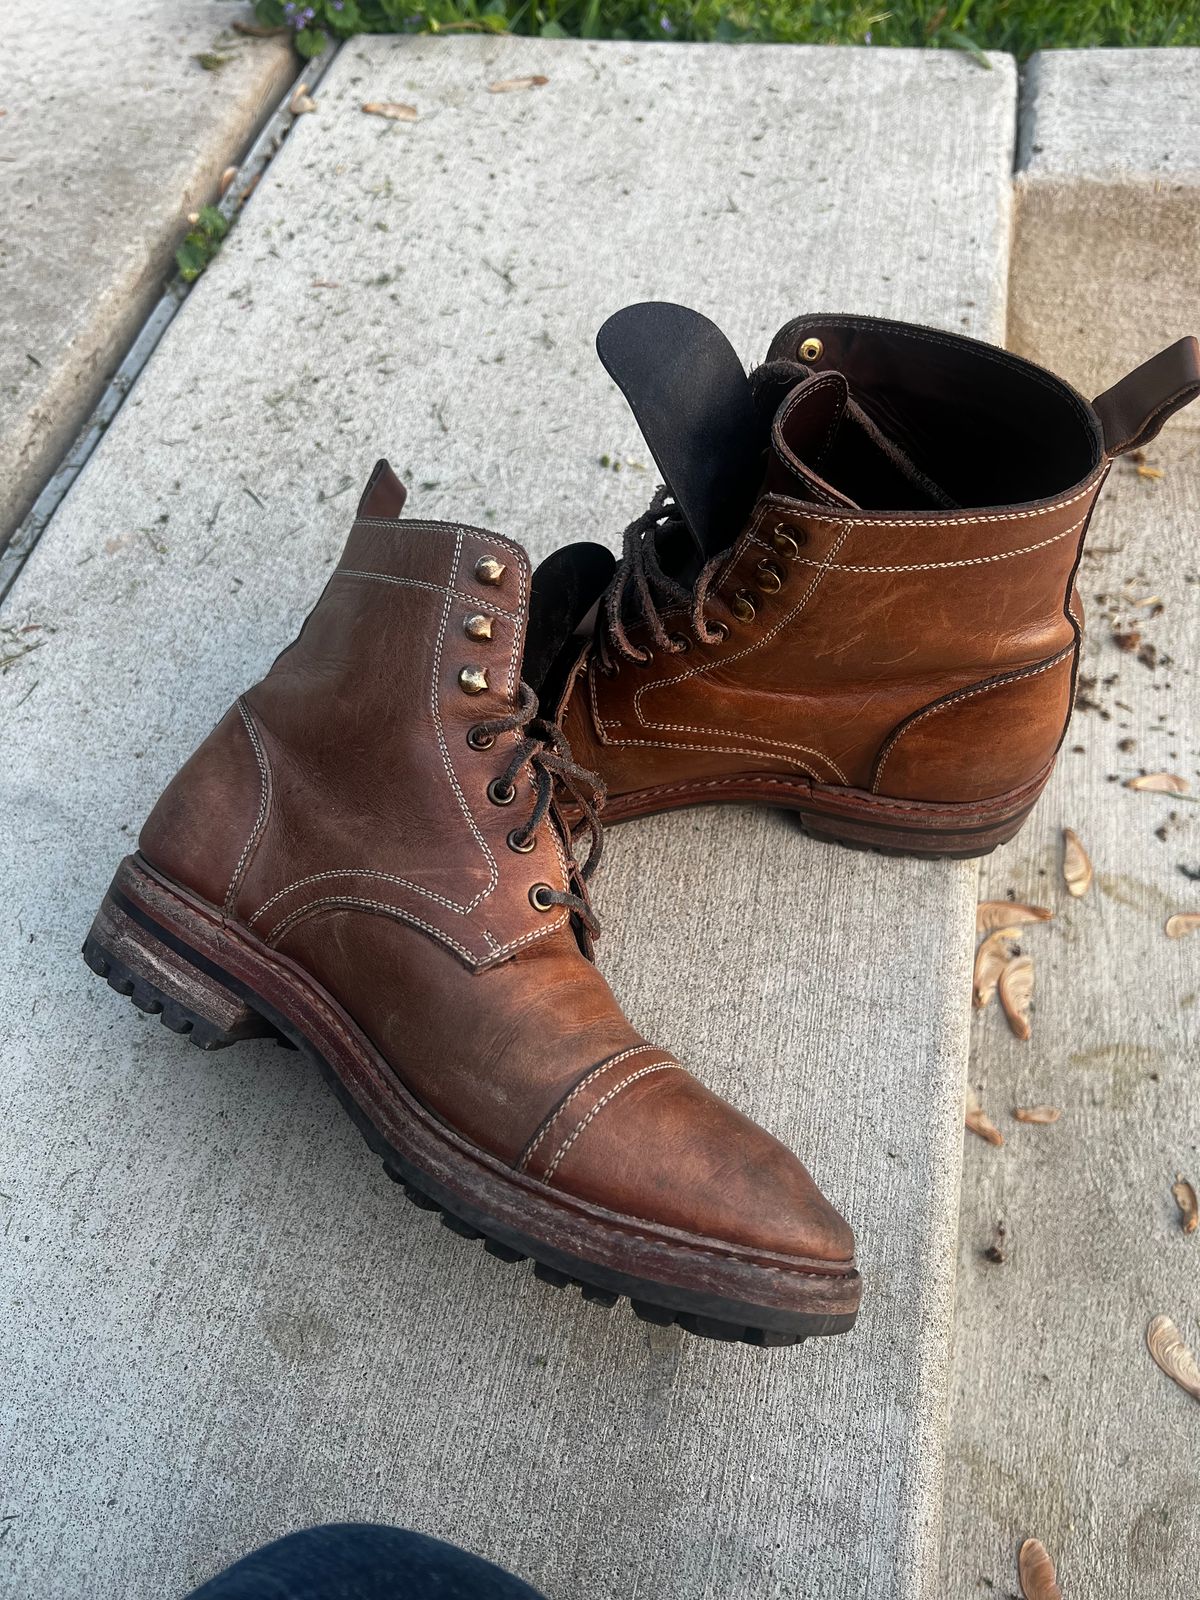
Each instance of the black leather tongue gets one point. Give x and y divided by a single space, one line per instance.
694 404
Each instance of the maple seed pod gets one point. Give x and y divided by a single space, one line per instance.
1076 867
1172 1356
1039 1581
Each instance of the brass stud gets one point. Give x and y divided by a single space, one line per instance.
742 606
472 680
769 577
811 350
541 897
784 542
489 570
478 627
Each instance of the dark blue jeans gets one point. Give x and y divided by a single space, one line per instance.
363 1561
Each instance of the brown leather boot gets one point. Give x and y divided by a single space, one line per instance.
365 858
855 597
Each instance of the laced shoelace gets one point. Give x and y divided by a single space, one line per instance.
641 591
542 747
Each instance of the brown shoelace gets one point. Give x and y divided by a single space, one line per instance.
542 746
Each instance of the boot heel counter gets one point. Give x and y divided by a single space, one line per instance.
981 741
208 819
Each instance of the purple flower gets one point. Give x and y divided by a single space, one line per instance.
866 36
666 24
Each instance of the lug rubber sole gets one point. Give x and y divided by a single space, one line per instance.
176 957
930 830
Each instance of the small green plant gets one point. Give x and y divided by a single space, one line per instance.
201 243
1021 26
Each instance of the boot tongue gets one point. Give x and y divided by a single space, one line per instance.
802 437
695 407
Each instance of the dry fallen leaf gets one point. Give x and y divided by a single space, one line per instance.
227 178
1165 1344
301 101
392 109
978 1121
1039 1581
1016 992
1149 472
1038 1114
1185 1198
1076 867
1181 924
993 955
991 914
508 85
1159 783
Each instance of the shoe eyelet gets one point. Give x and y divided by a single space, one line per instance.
811 350
480 739
684 644
785 540
769 577
520 845
743 607
540 897
501 793
645 661
719 628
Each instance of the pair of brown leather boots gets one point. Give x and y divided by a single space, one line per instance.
854 598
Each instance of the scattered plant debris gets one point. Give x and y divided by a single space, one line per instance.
510 85
201 242
978 1121
394 110
991 914
1016 994
1076 866
1126 641
1181 924
996 1252
1185 1198
1172 1356
227 178
993 955
1037 1114
210 61
1143 471
1159 783
1039 1581
301 102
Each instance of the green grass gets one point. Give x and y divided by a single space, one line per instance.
1021 26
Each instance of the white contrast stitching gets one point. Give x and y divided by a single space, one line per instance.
932 566
1091 487
642 1072
965 694
362 872
264 791
351 903
605 1066
436 588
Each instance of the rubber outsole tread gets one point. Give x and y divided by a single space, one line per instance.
153 1002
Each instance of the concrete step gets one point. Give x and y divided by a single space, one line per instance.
113 131
229 1324
1061 1427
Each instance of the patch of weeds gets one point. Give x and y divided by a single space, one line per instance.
201 243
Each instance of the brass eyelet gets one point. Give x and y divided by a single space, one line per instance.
540 897
812 350
743 607
684 644
488 570
473 680
769 577
520 845
645 661
480 739
501 793
719 628
478 627
784 541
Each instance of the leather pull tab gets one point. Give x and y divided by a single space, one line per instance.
694 404
384 495
1133 410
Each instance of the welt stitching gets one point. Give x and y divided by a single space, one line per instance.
264 793
642 1072
965 694
934 566
419 583
605 1066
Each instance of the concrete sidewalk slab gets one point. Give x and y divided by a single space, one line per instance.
113 131
1106 248
1060 1425
226 1322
